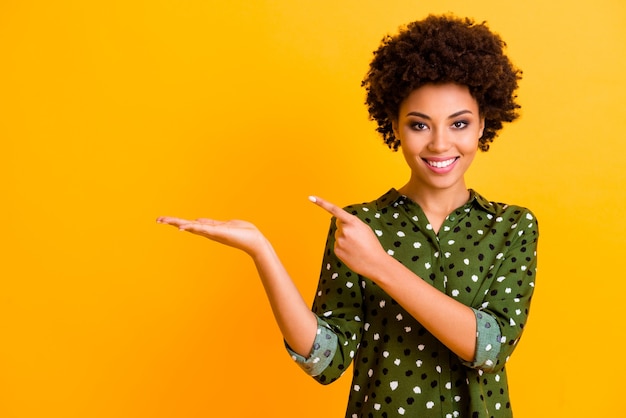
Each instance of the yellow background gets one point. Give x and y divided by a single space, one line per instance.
114 112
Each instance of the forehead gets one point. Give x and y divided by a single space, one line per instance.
439 98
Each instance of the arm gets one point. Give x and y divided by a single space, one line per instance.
296 321
453 323
508 290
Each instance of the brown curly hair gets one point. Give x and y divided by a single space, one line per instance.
442 49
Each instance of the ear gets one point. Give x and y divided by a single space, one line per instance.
482 128
394 127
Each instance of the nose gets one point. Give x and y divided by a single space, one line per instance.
439 141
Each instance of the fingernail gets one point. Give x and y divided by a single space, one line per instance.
313 199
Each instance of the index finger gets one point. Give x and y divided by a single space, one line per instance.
331 208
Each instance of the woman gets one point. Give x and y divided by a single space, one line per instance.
427 288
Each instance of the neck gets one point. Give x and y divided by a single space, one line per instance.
437 201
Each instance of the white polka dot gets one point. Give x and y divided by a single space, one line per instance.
401 411
417 389
430 404
401 234
393 385
378 232
416 245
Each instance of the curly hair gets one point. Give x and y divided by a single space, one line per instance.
442 49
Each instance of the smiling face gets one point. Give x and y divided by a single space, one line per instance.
438 127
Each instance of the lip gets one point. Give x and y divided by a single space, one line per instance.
440 165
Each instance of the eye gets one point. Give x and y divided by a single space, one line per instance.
460 124
418 126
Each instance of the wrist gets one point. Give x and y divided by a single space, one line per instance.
382 268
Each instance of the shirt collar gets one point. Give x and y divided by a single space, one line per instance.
393 196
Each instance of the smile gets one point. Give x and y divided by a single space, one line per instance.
441 164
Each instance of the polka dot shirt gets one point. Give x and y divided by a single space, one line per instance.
484 256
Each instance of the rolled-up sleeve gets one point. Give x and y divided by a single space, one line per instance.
488 342
322 351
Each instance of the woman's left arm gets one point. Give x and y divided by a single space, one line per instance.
453 323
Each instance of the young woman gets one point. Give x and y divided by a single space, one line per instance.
426 289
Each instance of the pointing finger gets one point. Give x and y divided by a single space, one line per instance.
334 210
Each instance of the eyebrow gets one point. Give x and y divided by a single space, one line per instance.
425 116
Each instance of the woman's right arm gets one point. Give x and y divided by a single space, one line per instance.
294 318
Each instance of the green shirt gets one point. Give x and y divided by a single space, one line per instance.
484 256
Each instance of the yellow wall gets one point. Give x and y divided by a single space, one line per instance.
114 112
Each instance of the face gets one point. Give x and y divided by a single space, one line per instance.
438 127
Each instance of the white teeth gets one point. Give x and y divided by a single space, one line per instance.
441 164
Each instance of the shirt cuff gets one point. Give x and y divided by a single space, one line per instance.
488 343
322 352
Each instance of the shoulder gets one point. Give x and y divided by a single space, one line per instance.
377 206
502 209
511 216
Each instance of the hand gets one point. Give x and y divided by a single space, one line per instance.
237 234
355 242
